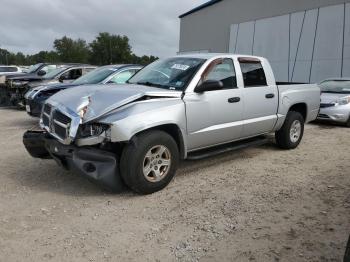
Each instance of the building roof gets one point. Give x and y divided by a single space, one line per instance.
210 3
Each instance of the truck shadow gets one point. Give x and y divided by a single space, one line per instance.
189 166
46 175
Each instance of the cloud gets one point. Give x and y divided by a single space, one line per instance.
151 25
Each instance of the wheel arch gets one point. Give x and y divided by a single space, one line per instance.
300 108
174 131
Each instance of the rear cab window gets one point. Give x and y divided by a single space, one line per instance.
253 72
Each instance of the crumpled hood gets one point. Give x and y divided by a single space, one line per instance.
40 82
44 87
11 75
54 86
25 77
331 97
102 99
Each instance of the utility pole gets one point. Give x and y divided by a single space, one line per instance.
110 51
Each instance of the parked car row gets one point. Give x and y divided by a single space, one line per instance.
18 85
117 74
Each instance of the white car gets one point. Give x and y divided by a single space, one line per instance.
335 101
8 70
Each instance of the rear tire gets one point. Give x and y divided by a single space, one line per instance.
291 133
348 123
149 162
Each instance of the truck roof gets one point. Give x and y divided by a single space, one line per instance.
213 55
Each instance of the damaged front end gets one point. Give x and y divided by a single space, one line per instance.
15 91
99 166
74 133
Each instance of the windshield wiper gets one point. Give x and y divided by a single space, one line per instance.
147 83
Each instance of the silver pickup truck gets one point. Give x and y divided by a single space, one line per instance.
183 107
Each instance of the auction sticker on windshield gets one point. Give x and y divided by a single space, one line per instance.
180 67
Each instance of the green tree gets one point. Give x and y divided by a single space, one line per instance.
105 49
4 56
42 57
143 60
110 49
74 51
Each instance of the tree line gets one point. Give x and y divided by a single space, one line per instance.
104 49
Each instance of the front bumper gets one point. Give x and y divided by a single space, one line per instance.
339 114
34 107
97 165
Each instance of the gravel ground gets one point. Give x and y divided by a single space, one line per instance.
258 204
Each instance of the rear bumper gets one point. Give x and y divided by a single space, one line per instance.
99 166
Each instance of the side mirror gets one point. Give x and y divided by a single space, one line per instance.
41 73
209 85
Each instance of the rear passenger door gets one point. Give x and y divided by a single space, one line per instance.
260 99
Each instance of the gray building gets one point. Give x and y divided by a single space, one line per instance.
305 40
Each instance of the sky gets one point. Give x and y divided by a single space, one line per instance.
152 26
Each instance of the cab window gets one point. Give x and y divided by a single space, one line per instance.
253 72
221 70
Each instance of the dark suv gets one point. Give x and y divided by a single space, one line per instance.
18 85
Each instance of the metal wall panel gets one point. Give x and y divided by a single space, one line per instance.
271 40
233 38
346 50
304 56
296 26
245 38
305 46
209 28
327 58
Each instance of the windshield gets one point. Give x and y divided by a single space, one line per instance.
172 73
33 68
335 86
95 76
54 73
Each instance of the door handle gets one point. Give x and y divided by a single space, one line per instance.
270 95
234 100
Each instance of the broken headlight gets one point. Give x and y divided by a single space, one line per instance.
93 129
19 83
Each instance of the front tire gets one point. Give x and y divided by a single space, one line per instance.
149 162
292 131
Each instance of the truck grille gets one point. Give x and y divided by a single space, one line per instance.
325 105
56 122
46 115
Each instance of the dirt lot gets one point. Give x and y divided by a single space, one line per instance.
259 204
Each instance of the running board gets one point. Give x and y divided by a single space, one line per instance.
217 150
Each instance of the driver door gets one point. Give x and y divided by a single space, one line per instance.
215 117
